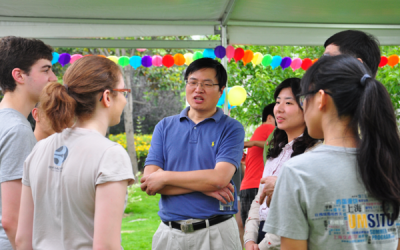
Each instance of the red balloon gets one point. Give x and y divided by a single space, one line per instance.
239 54
168 61
383 62
306 63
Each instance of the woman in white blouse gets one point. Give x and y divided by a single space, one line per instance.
290 139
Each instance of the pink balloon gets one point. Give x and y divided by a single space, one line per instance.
157 61
296 64
74 58
230 52
141 50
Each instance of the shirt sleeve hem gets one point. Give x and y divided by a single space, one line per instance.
234 163
10 177
284 233
154 162
121 177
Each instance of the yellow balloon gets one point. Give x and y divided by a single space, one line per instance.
257 58
113 58
188 58
237 95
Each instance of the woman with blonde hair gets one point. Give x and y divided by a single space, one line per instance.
75 181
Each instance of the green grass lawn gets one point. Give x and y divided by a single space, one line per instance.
141 220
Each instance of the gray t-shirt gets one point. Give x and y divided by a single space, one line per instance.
16 143
319 198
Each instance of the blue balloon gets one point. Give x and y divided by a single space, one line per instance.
209 53
276 61
135 61
231 107
221 100
55 57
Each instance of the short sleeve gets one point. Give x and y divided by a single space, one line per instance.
115 165
156 155
231 148
14 149
287 213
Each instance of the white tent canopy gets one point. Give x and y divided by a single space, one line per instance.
76 23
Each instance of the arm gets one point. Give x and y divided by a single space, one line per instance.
249 144
25 223
10 200
109 207
290 244
253 221
200 180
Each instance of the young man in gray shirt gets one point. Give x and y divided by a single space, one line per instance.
25 68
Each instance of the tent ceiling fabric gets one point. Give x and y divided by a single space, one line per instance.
261 22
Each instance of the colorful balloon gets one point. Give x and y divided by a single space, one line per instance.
237 95
188 58
221 100
157 60
168 61
393 60
179 59
102 56
230 52
123 61
113 58
296 64
276 61
257 59
315 60
64 59
197 55
55 57
286 61
135 61
248 56
266 61
75 57
141 50
147 61
220 51
306 63
239 54
209 53
383 62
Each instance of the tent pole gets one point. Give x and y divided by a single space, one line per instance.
224 61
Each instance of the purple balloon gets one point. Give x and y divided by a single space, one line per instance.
64 59
147 61
286 61
220 52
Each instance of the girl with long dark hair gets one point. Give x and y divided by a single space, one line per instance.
290 139
345 194
74 182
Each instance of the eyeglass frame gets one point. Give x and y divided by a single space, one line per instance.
302 97
118 90
204 86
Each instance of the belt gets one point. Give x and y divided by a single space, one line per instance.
188 227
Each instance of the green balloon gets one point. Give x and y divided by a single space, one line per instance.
123 61
266 61
197 55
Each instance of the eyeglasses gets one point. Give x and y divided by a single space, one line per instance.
303 97
123 91
205 84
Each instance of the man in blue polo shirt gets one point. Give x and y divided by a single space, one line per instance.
191 161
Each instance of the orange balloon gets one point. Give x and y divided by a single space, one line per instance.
393 60
248 56
179 59
102 56
88 55
315 60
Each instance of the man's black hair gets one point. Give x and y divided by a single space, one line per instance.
268 110
208 63
358 44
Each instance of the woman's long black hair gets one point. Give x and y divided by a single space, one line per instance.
280 137
367 103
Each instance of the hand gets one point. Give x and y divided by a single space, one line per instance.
248 144
269 186
153 182
227 193
251 245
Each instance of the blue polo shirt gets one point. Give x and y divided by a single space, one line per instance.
178 144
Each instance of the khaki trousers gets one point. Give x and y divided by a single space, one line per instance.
223 236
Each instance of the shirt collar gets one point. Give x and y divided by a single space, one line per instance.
290 144
216 117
